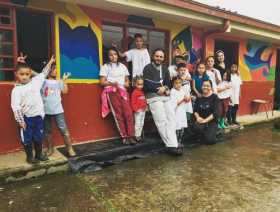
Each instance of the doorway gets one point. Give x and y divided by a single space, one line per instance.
276 105
34 37
231 50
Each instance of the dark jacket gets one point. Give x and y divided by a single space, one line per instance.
152 79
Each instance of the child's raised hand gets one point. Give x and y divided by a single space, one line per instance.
66 76
21 58
52 60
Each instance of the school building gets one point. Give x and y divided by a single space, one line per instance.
80 31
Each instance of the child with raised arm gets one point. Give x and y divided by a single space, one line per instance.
139 106
28 108
51 93
139 56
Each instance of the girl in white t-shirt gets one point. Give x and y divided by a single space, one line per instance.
214 74
224 94
114 78
235 95
180 101
184 74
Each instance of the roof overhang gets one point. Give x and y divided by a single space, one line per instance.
190 13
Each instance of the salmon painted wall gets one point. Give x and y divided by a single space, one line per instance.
78 49
257 65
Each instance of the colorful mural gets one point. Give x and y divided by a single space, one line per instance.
78 41
78 52
188 43
259 60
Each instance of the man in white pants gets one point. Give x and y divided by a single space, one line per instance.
157 86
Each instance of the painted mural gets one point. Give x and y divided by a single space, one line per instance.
78 51
78 41
259 59
188 43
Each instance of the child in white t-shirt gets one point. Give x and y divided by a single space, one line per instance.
224 94
180 101
139 56
184 74
28 108
235 95
214 74
114 77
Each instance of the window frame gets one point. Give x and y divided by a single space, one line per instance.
126 25
13 26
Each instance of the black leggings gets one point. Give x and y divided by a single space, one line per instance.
232 112
207 132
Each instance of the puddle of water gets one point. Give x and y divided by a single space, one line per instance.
242 174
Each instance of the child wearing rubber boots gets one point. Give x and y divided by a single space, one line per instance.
28 109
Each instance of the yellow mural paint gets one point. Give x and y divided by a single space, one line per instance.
74 16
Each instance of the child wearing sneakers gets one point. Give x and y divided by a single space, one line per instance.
51 93
138 105
28 108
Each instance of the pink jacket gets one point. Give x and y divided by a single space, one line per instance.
105 108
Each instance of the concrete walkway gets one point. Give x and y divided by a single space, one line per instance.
258 118
14 168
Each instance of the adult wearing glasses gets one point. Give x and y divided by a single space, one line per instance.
157 86
206 113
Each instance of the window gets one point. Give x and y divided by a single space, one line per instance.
111 34
26 24
123 36
7 45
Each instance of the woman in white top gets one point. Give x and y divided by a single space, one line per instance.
224 94
236 93
214 74
114 78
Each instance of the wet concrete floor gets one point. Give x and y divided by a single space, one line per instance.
241 174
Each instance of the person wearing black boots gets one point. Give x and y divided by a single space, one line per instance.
235 95
27 105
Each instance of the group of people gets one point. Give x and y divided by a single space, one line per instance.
35 101
178 99
202 100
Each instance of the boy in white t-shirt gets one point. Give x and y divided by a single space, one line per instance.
28 108
139 56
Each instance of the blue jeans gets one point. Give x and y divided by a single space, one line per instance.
33 131
60 122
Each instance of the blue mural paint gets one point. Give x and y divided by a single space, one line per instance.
79 52
184 38
253 57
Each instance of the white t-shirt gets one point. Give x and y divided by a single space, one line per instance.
114 72
212 76
172 71
226 93
236 84
27 98
139 58
180 110
187 90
